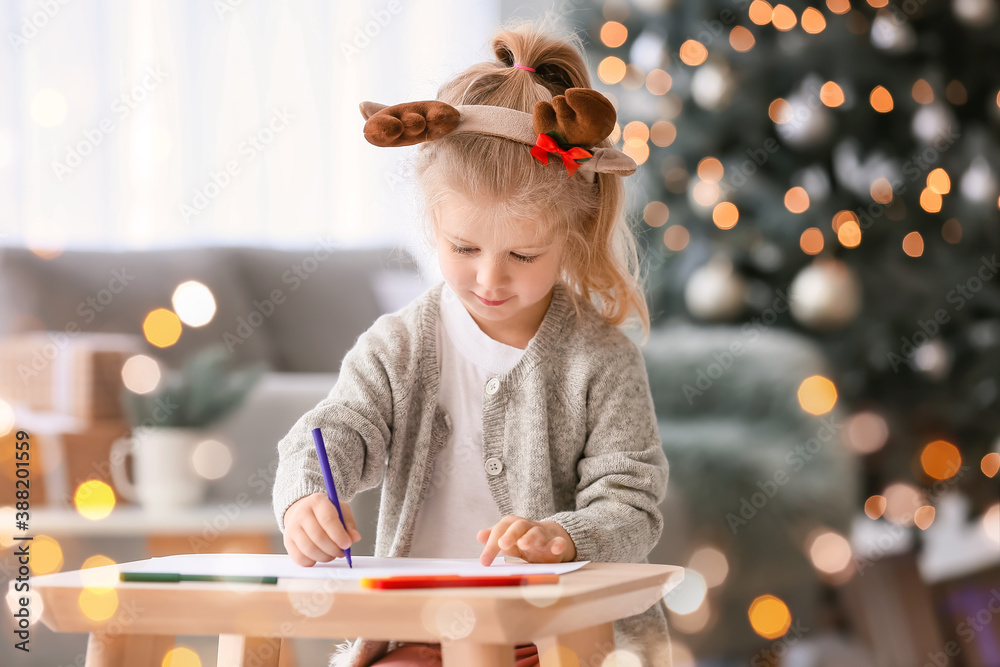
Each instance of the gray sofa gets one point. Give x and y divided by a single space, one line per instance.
722 444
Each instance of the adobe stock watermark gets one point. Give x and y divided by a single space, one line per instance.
796 460
33 23
121 109
364 34
896 530
88 310
926 330
295 276
248 150
705 377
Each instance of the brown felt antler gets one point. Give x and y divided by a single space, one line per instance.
408 123
582 116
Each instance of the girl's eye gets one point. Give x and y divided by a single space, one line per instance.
465 251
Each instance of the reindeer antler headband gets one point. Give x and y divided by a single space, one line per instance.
570 126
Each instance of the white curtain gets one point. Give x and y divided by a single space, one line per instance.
145 123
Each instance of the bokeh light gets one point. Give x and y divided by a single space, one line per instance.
94 499
956 93
710 169
839 6
46 555
817 395
829 552
611 70
693 52
162 327
841 217
95 573
797 200
663 133
923 517
901 503
211 459
930 201
689 594
881 190
811 241
939 181
779 111
951 231
769 617
813 21
741 39
725 215
831 94
940 459
880 99
922 92
658 82
867 432
875 506
849 234
676 237
712 564
98 604
990 464
761 12
656 214
194 304
613 34
141 374
705 193
913 244
181 656
783 18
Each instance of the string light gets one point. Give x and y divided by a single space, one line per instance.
849 234
880 99
613 34
784 18
761 12
913 244
831 94
811 241
693 53
797 200
741 39
725 215
813 21
611 70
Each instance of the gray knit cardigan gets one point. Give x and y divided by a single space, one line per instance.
572 425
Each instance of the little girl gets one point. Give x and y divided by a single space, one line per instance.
504 411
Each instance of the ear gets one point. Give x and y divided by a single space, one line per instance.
369 109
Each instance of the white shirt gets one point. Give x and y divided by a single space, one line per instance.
458 502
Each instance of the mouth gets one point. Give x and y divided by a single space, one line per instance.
487 302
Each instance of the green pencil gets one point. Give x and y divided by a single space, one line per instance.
173 577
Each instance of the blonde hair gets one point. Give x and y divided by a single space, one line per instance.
600 260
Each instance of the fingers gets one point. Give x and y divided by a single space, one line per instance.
326 514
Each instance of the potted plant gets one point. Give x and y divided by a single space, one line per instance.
170 421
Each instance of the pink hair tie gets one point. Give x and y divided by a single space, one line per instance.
530 69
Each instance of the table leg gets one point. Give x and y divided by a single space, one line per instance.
122 650
582 648
463 654
240 651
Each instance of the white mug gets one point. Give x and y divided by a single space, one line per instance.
164 476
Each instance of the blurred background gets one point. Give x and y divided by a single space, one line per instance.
193 232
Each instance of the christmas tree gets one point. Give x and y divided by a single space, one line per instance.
831 168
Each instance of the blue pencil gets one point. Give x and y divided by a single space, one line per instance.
331 490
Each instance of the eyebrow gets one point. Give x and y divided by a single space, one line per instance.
456 239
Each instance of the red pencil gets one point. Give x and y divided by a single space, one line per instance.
455 581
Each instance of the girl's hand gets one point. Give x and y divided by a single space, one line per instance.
533 541
313 532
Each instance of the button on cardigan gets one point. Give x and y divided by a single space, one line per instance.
572 422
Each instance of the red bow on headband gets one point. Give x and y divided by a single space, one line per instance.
546 144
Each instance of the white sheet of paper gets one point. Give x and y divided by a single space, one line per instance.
281 565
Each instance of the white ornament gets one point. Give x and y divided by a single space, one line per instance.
978 184
715 291
891 34
975 13
933 122
807 123
711 87
825 295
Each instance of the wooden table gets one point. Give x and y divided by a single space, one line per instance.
570 622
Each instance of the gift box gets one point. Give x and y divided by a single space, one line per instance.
73 374
66 452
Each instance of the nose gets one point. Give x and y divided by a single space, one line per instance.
490 274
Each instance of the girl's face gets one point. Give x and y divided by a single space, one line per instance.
505 282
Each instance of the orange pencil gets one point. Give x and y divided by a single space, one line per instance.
455 581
